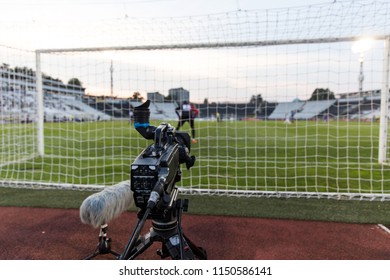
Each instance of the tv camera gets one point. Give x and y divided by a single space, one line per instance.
154 174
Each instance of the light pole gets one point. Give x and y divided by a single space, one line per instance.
361 75
112 79
360 47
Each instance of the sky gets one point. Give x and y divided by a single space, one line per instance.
92 9
27 23
278 73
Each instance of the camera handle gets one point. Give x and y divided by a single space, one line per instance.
159 133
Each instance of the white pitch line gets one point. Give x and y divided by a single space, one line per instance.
384 228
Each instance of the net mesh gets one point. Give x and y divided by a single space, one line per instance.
257 79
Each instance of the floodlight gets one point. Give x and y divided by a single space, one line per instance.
362 45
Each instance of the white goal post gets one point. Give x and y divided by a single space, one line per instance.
384 104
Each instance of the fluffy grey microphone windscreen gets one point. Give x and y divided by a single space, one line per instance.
99 208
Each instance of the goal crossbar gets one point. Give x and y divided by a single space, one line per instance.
214 45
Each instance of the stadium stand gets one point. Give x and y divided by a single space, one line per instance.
356 108
283 109
66 102
74 109
163 111
57 107
110 107
62 102
228 111
313 109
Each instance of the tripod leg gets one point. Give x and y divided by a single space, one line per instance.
141 245
134 239
199 252
187 244
104 245
91 256
174 248
189 251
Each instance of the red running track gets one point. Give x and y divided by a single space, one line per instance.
58 234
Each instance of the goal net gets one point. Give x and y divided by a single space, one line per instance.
288 105
18 127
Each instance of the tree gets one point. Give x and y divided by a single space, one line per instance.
75 82
256 100
322 94
137 96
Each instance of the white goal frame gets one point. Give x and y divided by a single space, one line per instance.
384 105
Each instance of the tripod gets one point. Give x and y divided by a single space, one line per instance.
166 229
104 245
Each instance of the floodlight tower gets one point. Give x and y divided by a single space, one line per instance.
112 79
360 47
361 75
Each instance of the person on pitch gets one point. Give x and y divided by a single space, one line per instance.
187 113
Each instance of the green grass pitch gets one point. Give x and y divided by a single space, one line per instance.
306 156
231 155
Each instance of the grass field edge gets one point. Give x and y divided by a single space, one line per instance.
350 211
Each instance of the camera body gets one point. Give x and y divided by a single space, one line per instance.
157 168
149 166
